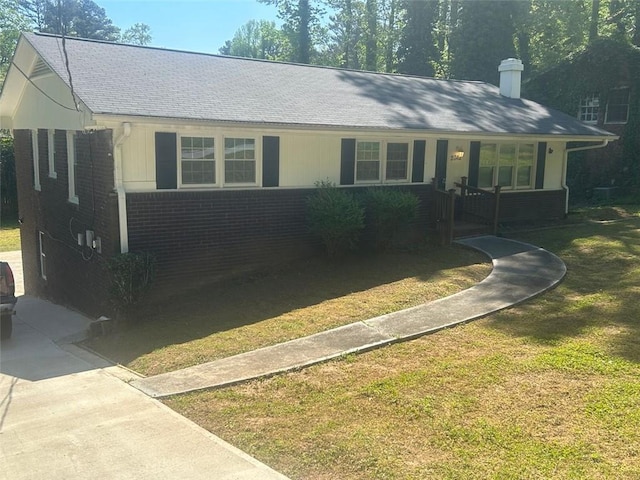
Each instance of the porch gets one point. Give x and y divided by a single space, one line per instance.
466 211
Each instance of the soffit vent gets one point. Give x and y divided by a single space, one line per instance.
40 69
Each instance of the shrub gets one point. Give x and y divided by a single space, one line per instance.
131 276
390 210
336 216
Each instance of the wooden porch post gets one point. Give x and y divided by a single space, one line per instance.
463 192
451 215
496 211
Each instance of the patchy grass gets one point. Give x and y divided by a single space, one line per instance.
9 239
548 389
220 320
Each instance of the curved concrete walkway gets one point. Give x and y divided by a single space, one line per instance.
520 272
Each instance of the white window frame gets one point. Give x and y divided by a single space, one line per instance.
71 166
514 174
257 155
35 153
42 256
382 161
216 169
626 104
589 109
51 142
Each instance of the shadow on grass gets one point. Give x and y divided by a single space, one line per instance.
600 290
224 306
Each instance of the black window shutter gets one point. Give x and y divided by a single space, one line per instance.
166 161
474 164
441 163
348 161
417 172
542 157
270 161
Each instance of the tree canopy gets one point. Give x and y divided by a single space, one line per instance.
464 39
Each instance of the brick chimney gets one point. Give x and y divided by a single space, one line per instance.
510 77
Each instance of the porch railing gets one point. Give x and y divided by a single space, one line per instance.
478 205
444 207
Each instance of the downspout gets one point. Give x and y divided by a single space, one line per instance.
564 168
119 183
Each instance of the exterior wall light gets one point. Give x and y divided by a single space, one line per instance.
458 154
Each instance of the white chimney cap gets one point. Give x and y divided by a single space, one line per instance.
510 77
511 64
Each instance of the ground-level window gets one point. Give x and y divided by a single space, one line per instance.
35 153
42 255
618 106
72 166
198 160
51 151
589 108
509 165
375 158
239 161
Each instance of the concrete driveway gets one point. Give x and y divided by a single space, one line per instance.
67 414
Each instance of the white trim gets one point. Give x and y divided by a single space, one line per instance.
71 167
51 150
42 256
35 154
215 161
627 104
382 161
257 154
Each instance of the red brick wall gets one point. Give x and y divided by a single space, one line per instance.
214 234
76 276
533 205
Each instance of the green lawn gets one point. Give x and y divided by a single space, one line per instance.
549 389
9 239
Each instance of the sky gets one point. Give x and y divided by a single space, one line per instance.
192 25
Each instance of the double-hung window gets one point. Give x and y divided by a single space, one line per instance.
239 161
198 160
382 161
618 106
589 109
509 165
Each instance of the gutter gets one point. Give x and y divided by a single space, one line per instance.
565 162
119 184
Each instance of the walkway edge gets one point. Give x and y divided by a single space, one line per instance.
520 272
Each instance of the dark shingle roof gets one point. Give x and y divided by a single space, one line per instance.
141 81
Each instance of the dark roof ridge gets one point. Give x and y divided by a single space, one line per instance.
260 60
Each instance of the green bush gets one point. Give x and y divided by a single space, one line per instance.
131 276
389 211
336 216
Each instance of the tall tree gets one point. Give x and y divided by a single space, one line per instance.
482 38
258 39
12 22
371 36
346 33
137 34
301 23
595 18
77 18
390 37
418 52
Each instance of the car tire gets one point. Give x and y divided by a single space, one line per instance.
6 327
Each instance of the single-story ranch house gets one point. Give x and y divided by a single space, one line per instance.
207 161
